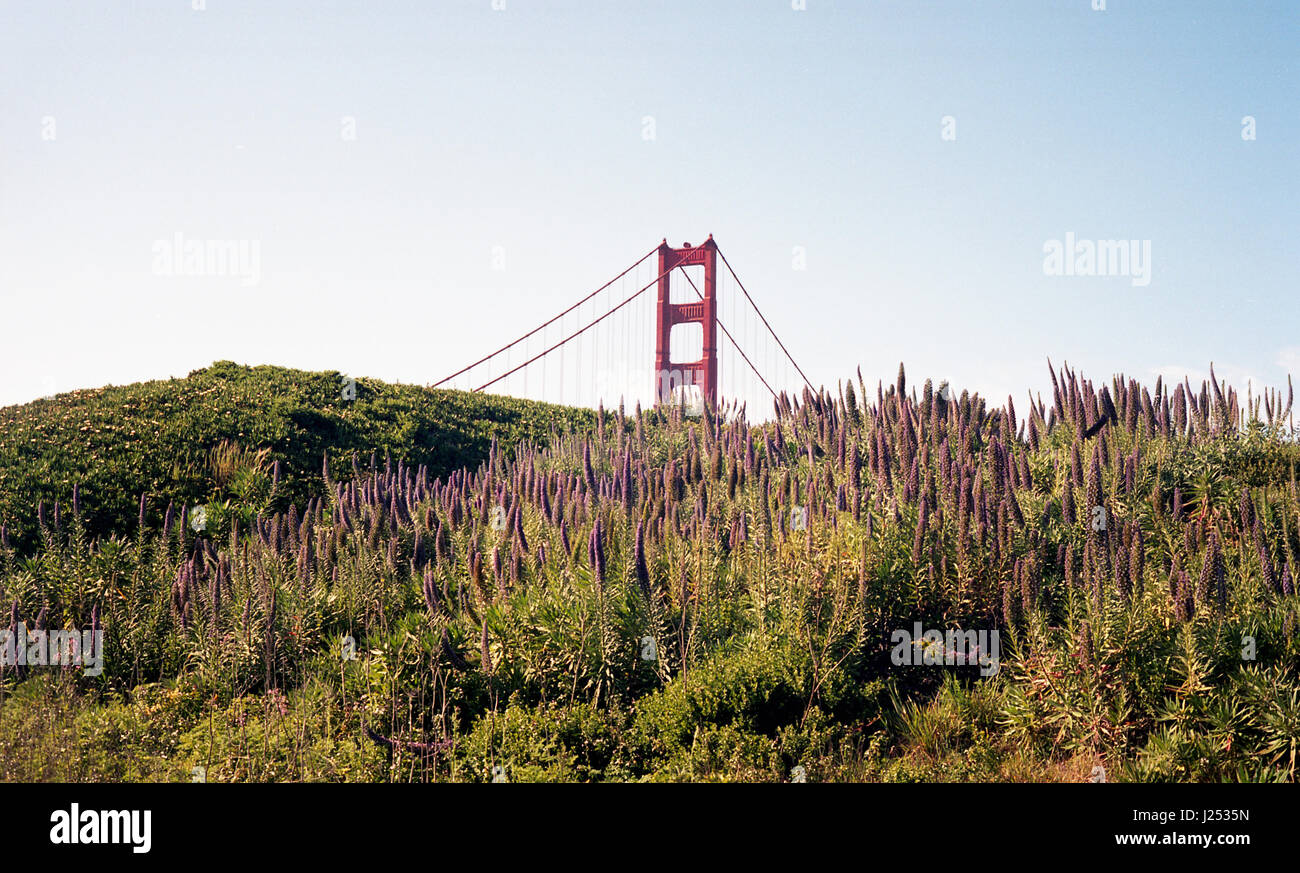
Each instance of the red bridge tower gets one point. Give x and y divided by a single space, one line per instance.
670 374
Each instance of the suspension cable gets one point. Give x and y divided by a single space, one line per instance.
583 330
556 318
760 315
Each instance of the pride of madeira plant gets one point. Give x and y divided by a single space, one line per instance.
650 596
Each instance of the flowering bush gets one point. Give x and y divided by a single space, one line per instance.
625 596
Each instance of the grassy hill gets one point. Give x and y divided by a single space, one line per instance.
170 440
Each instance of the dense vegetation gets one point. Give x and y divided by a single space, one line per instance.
653 597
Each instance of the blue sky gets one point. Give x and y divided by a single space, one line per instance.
516 138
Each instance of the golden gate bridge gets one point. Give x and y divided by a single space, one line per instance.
700 345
